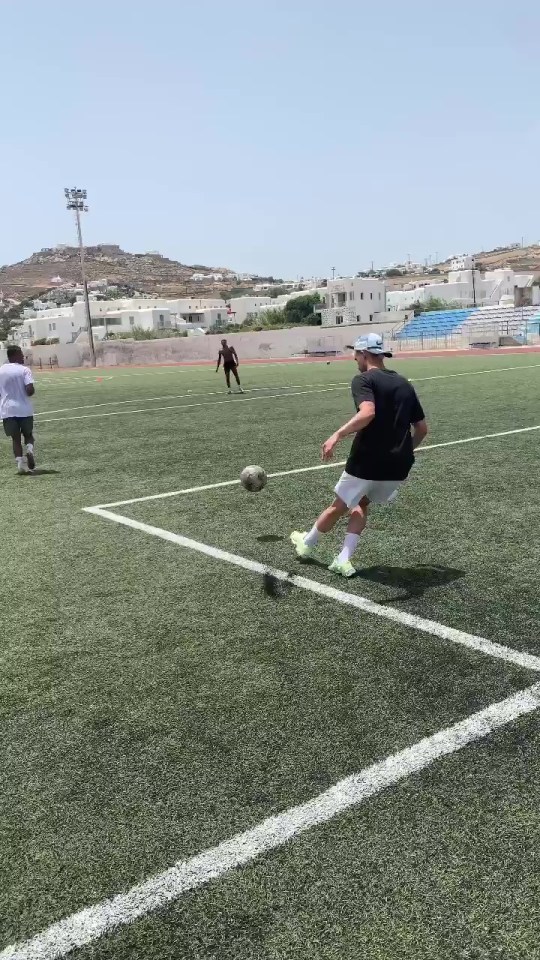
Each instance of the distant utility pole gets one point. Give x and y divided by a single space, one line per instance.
76 201
473 284
333 273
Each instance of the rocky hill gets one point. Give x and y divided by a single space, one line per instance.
147 272
520 259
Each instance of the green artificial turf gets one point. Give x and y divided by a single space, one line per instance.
155 701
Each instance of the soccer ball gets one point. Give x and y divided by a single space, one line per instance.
253 478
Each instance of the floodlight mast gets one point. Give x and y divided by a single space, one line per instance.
76 201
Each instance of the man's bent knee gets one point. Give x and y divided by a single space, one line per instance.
339 507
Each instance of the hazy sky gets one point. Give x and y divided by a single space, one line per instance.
279 136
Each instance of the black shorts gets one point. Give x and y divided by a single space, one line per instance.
229 367
15 426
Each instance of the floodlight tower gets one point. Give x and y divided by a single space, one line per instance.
76 201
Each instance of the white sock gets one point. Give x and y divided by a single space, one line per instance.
349 546
311 539
19 461
30 447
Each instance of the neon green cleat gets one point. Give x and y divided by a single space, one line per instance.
302 550
344 569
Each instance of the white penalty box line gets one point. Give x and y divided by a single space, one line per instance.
410 620
296 470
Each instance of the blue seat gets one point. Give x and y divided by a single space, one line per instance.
435 323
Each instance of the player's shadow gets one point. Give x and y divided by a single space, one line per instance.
414 581
39 472
276 587
270 538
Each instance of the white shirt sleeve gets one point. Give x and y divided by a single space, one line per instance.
28 378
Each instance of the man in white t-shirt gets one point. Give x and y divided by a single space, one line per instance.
16 410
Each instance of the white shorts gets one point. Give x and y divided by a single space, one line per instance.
351 490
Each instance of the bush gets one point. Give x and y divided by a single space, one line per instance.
434 303
272 317
139 334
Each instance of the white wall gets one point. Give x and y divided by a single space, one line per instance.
464 262
207 317
265 345
352 300
346 317
243 307
52 327
191 304
488 288
124 321
359 297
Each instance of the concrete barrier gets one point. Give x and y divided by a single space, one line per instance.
264 345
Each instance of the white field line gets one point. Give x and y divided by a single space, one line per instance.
526 660
291 386
92 923
47 379
192 395
319 466
473 373
163 370
187 406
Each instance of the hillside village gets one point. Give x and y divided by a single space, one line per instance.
150 296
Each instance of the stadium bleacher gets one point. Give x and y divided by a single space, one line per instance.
437 323
434 324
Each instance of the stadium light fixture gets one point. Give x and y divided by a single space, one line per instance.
76 201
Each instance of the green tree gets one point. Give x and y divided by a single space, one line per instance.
393 272
299 310
5 328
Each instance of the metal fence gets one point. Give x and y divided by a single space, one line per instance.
476 334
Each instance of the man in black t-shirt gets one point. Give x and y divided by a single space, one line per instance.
381 455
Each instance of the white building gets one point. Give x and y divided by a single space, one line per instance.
350 300
205 317
183 304
59 323
464 287
247 308
65 324
127 319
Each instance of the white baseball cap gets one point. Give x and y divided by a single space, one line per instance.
370 343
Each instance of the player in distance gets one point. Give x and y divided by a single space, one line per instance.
230 365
